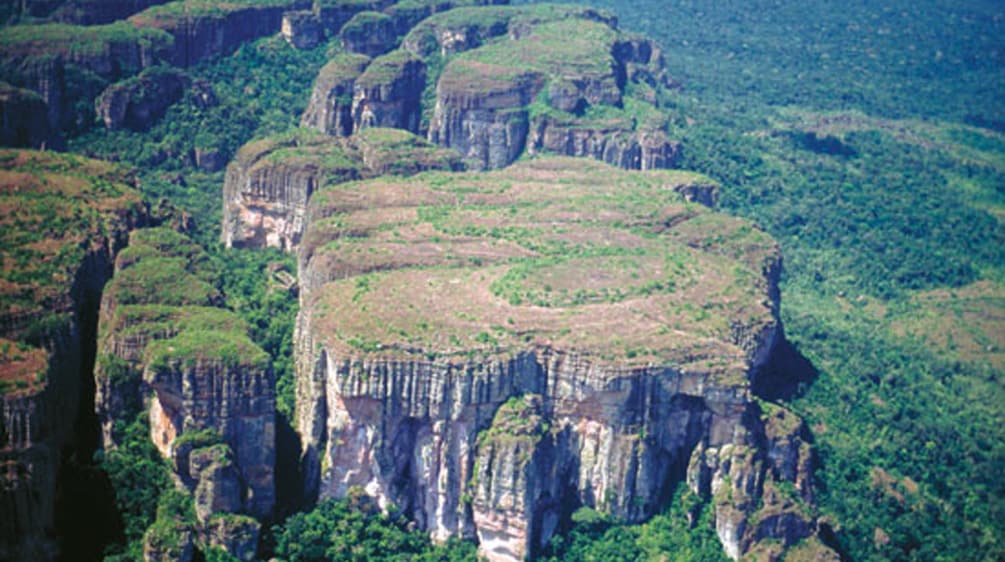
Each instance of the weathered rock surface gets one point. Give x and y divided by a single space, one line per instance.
368 33
237 534
45 59
94 12
330 106
302 29
72 216
269 183
524 350
207 29
138 102
24 119
160 336
544 79
388 93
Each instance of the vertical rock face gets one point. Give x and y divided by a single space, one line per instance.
162 337
489 126
85 12
302 29
24 119
46 312
368 33
489 398
45 59
203 30
268 186
139 101
545 79
387 94
331 103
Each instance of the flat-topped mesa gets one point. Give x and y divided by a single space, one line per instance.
428 302
544 79
270 181
63 220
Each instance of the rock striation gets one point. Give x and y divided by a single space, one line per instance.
201 29
65 219
544 79
388 93
165 347
47 59
487 351
269 183
139 101
330 106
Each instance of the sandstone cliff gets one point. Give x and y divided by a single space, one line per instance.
68 66
485 351
203 29
330 106
544 79
387 93
270 181
24 119
139 101
65 219
81 12
165 347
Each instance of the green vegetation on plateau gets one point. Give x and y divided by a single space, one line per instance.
553 252
869 139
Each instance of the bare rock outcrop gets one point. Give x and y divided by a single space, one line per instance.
42 58
545 79
165 347
330 106
268 185
368 33
139 101
201 30
73 215
388 93
302 29
508 367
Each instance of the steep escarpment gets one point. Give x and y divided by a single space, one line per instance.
24 119
167 349
138 101
64 219
489 351
68 66
544 79
82 12
270 181
202 29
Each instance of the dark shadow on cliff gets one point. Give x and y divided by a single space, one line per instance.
289 484
86 517
788 374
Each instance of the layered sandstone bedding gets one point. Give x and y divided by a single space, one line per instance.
62 220
618 320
